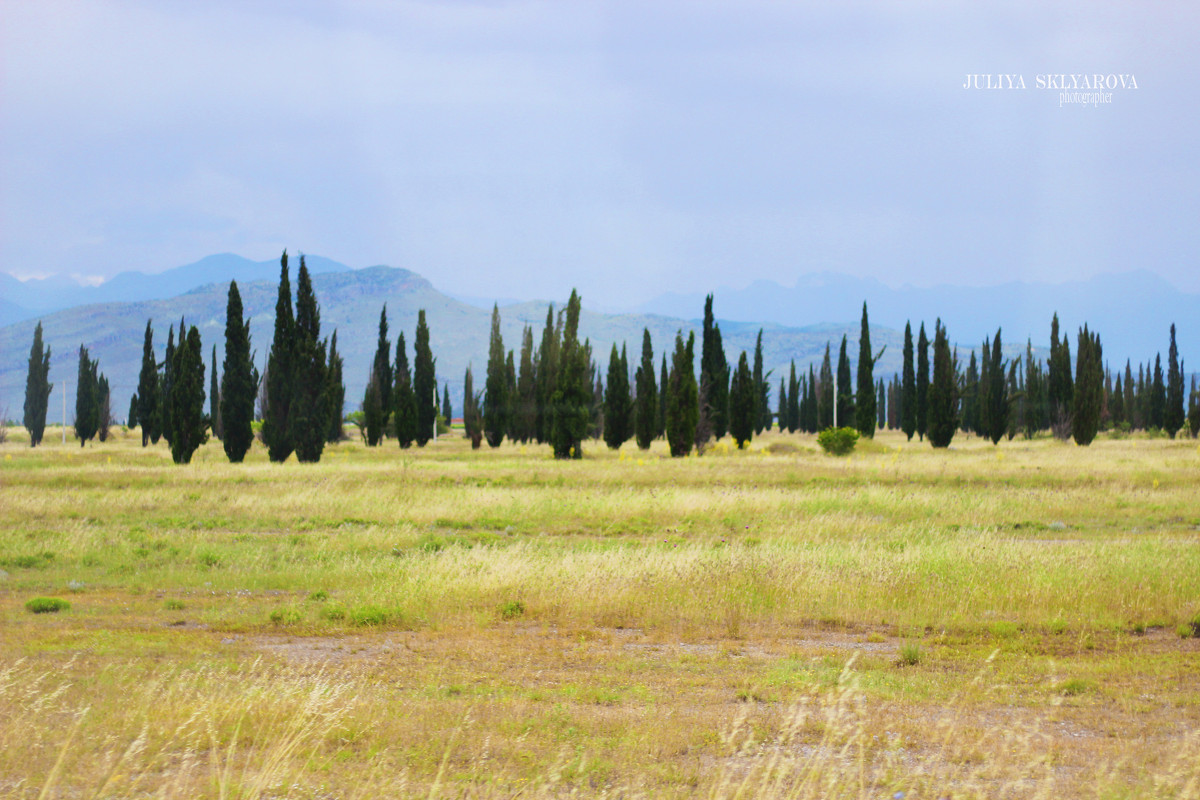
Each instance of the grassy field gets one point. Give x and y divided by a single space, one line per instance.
978 622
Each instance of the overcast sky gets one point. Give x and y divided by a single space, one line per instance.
627 148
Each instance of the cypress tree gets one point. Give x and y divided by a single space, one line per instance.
865 415
546 377
1088 388
908 387
1035 393
646 406
793 409
995 394
845 392
715 368
447 409
1130 406
239 380
618 402
87 400
164 382
510 409
573 396
1158 396
1060 387
149 404
336 392
682 398
983 419
970 399
131 418
743 405
424 382
1194 409
922 407
881 404
1173 414
37 388
825 393
189 425
472 417
495 393
762 390
103 408
308 416
214 399
812 423
663 377
942 397
404 416
382 365
277 423
781 415
1116 403
526 409
372 408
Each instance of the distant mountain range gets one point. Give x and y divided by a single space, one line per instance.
351 302
1131 311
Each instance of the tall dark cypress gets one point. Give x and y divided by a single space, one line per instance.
682 398
547 374
762 389
743 406
1060 388
1088 388
1036 417
825 393
1158 396
1116 403
793 408
214 399
447 409
104 415
865 416
308 416
131 418
165 380
970 397
996 393
149 404
526 405
37 389
618 401
922 407
571 403
812 424
472 414
335 392
1131 413
189 424
781 414
663 377
942 419
372 408
1173 414
881 404
424 382
495 392
715 369
1194 409
646 405
383 368
404 415
239 380
87 400
908 387
277 421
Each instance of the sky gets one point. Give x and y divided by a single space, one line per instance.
519 149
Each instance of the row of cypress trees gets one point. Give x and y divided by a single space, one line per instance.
394 393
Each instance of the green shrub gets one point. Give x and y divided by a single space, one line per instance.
208 558
838 441
320 595
910 654
174 605
370 615
1075 686
333 613
46 605
285 616
512 609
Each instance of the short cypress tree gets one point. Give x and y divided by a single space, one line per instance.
618 401
87 399
214 398
131 417
970 397
103 408
942 418
1036 417
1116 403
37 388
404 416
922 407
189 423
743 405
308 416
277 425
663 377
996 394
495 392
793 408
472 415
1173 414
1088 392
845 392
447 409
383 369
682 398
825 393
239 381
510 395
1194 409
908 387
336 392
881 404
149 405
781 413
573 396
811 424
1158 396
372 408
424 382
646 405
865 415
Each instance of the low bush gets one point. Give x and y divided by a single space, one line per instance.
512 609
46 605
910 654
838 441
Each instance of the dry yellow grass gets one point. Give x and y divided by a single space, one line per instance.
491 623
